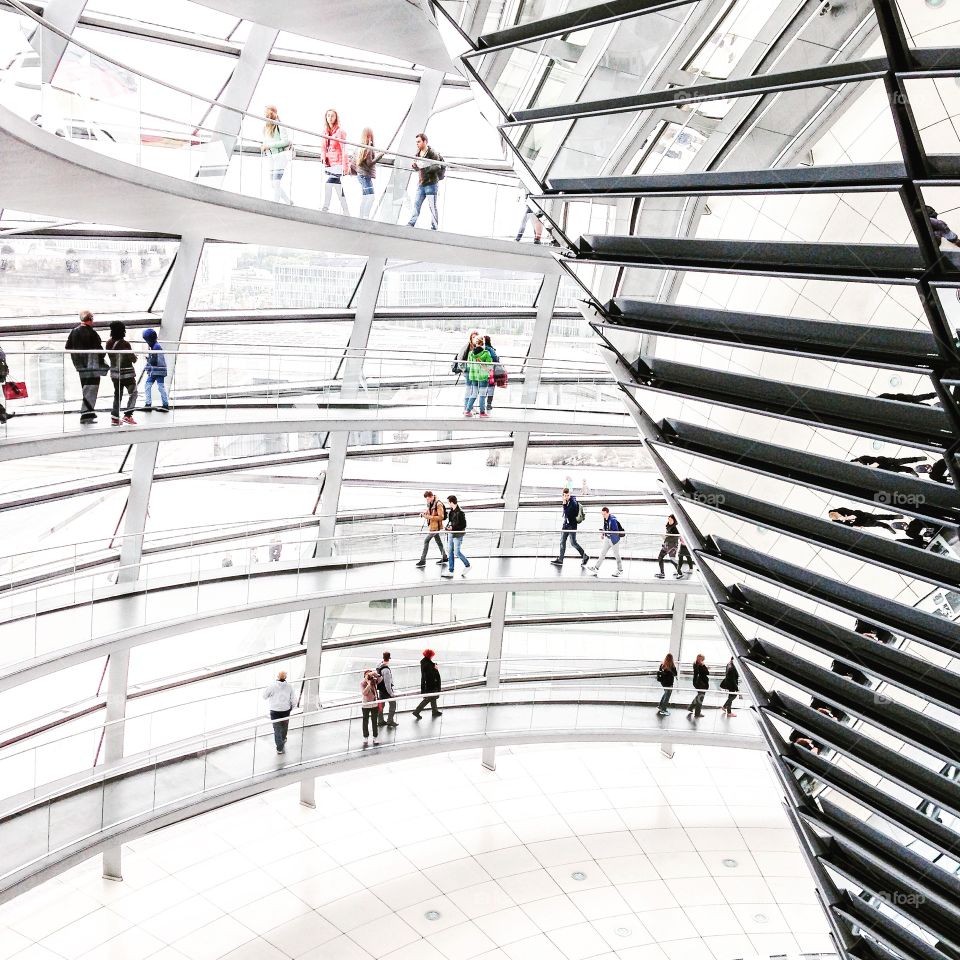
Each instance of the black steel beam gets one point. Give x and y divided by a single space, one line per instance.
893 347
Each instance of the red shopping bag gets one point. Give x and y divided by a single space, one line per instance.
14 391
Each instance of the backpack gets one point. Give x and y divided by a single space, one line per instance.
443 169
4 369
661 674
581 516
381 686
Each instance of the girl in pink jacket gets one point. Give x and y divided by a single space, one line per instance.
335 161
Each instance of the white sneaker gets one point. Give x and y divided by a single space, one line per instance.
446 574
365 739
376 742
464 574
618 573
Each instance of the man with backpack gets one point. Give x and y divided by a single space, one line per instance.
434 516
457 530
573 516
385 691
432 169
611 534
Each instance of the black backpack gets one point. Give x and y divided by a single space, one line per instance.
443 167
381 686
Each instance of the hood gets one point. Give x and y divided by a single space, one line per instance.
151 337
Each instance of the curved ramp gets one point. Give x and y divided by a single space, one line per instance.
50 834
46 636
397 28
48 175
198 423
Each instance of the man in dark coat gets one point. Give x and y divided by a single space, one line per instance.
429 684
90 365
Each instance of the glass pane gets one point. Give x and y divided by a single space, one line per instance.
418 284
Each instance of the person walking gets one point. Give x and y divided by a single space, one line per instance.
669 547
491 380
367 160
430 685
611 534
434 515
701 683
863 518
369 706
457 530
730 683
89 362
122 373
479 368
941 229
528 216
683 556
277 149
666 677
572 518
5 414
892 464
156 371
280 701
386 691
430 168
335 165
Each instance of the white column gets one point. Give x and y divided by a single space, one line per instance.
498 614
135 518
65 15
310 701
533 368
511 491
391 205
330 495
366 306
226 121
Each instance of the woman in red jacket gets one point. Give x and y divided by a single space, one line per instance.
335 162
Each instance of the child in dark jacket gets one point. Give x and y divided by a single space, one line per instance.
156 371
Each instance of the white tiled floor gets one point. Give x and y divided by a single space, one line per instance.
493 853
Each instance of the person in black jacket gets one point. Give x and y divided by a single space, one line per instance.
701 682
122 373
730 683
668 549
666 677
90 365
893 464
862 518
456 531
430 685
571 512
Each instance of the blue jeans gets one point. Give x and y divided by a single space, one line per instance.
164 399
423 191
570 535
366 184
453 546
475 391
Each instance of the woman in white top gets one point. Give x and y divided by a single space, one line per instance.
278 149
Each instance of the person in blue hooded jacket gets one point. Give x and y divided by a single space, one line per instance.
156 371
612 532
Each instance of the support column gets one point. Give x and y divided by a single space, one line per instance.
533 368
310 701
511 490
498 616
135 518
391 204
330 497
677 623
65 15
366 306
226 121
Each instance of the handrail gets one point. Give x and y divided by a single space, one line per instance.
46 25
618 668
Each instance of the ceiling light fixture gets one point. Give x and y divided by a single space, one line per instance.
623 931
760 917
935 4
432 915
729 863
578 875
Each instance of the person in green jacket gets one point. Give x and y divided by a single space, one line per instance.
479 365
